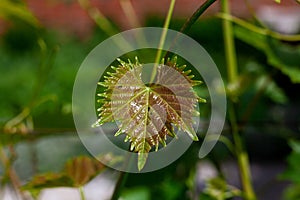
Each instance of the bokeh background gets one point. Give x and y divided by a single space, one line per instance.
42 44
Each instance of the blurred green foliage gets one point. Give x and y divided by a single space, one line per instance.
293 172
40 65
17 10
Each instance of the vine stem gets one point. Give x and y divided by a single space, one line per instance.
259 30
162 39
44 69
242 157
130 14
231 61
81 191
191 21
15 181
123 176
188 24
98 17
120 183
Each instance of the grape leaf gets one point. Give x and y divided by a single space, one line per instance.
48 180
82 169
146 113
77 172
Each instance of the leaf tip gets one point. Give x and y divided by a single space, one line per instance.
142 158
201 100
195 138
96 124
196 82
137 62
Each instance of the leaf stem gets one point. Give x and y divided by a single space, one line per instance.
130 14
13 177
120 183
123 177
242 157
162 39
192 20
188 24
98 17
81 190
259 30
231 61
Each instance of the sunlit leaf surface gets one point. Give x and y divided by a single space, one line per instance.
147 113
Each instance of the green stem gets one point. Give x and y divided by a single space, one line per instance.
123 176
130 14
242 157
259 30
231 61
162 39
188 24
13 177
120 183
98 17
192 20
81 190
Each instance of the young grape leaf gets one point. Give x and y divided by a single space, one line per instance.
48 180
82 169
77 172
147 112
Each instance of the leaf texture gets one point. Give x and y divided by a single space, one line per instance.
147 113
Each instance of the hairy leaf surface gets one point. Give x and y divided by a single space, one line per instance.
148 112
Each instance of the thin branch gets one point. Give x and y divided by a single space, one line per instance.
130 14
189 23
13 177
103 23
256 29
163 38
120 183
230 52
98 17
231 61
